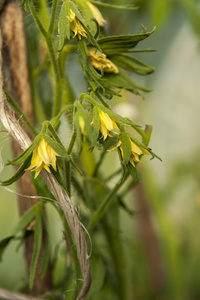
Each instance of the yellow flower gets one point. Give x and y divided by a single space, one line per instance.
76 26
82 125
99 61
96 13
43 157
107 124
136 151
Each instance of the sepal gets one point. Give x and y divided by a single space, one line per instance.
117 44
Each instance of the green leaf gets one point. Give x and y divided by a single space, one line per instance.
53 131
147 136
125 7
20 172
126 145
134 173
22 157
121 43
27 217
79 137
3 244
122 81
58 147
45 260
96 121
37 247
64 24
131 64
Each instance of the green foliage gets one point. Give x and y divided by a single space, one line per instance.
79 132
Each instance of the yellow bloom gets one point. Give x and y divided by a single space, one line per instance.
99 61
43 157
96 13
136 151
107 124
76 26
82 125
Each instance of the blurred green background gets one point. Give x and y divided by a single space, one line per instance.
162 241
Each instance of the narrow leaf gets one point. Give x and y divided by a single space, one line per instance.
3 244
37 247
124 7
58 147
45 260
126 145
64 24
134 173
96 121
121 43
22 157
131 64
27 217
20 172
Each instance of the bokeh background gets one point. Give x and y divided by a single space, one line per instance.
162 240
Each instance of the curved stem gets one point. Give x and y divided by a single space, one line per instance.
53 12
63 110
37 20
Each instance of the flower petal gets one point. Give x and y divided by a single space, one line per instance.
135 148
96 13
43 151
106 120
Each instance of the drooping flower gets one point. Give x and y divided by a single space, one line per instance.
76 26
82 125
43 156
136 151
99 60
96 13
107 124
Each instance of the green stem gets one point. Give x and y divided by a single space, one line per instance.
102 208
47 36
63 110
53 12
44 13
99 163
102 101
71 144
37 20
19 111
113 175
